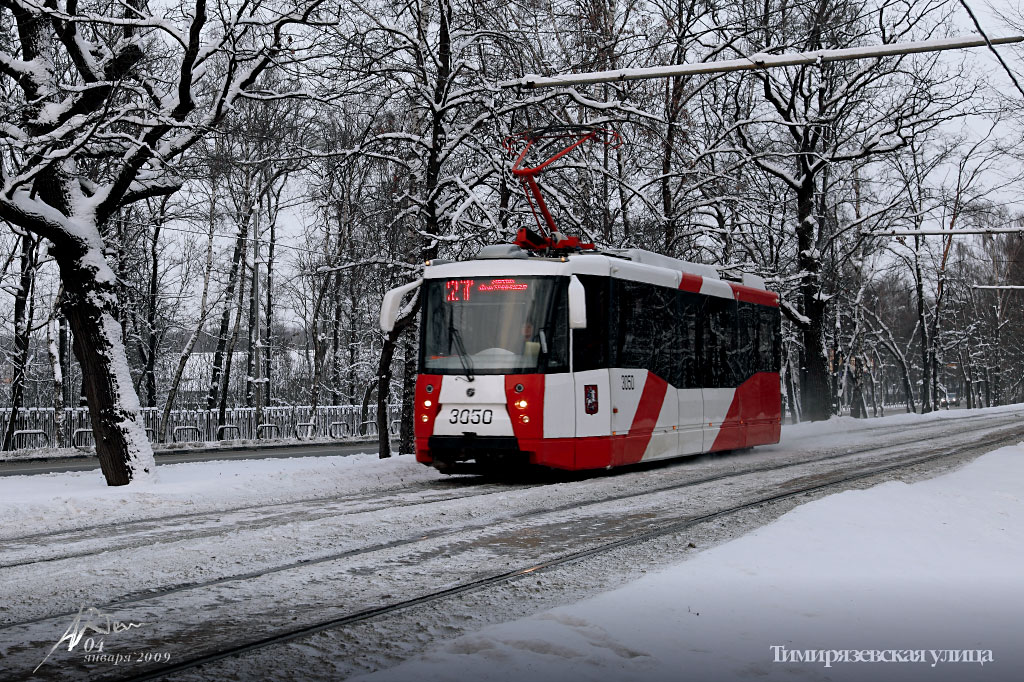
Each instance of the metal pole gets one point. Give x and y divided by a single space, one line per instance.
757 61
945 232
257 355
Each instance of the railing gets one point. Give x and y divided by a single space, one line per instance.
37 426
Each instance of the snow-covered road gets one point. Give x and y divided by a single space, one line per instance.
221 554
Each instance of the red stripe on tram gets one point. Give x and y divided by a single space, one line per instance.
631 449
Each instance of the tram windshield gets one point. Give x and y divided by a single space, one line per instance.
495 325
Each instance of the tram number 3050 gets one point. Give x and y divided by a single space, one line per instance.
471 416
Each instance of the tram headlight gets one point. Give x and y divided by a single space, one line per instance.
424 418
525 419
427 403
521 404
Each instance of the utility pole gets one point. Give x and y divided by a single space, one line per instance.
257 356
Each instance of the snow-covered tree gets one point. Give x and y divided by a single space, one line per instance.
101 101
811 120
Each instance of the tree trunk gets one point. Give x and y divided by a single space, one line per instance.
364 411
186 352
387 354
23 309
230 355
152 339
90 305
64 348
815 396
406 444
58 384
794 409
268 340
219 357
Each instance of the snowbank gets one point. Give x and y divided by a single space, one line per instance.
897 582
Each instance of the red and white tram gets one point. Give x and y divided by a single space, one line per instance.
590 360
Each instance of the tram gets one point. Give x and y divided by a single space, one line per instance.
551 352
590 360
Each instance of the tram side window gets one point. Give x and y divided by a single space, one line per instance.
688 313
720 343
769 339
646 335
747 361
590 345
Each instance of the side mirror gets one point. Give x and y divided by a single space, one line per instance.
390 306
577 304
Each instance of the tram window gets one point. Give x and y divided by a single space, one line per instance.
590 345
747 361
720 343
768 339
688 312
647 330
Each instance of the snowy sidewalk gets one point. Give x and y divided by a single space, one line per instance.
897 582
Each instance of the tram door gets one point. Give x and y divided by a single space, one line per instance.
590 373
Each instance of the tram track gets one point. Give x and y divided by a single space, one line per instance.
873 461
1001 431
388 498
821 484
420 486
275 512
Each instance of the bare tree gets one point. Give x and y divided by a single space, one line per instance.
108 97
817 117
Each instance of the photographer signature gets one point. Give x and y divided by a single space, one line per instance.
91 619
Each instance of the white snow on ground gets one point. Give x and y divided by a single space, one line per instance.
826 432
931 571
52 501
45 502
936 565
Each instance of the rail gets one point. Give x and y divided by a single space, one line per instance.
228 427
32 432
75 441
74 426
273 428
309 428
191 429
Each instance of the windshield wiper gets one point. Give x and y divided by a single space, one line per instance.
467 362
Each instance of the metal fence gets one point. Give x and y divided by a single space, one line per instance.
36 427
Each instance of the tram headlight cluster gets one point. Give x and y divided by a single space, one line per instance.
427 404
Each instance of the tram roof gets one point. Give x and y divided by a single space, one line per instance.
507 260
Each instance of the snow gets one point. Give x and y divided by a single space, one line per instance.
68 500
931 570
931 566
